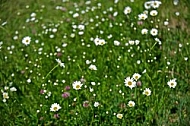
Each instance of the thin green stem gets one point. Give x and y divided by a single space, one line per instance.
153 45
79 67
51 71
149 78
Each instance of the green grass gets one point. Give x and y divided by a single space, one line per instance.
37 62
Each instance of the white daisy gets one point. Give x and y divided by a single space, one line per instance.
158 40
144 31
147 5
26 40
131 42
153 12
156 4
77 85
96 104
137 42
92 67
154 32
147 92
136 76
102 42
129 82
172 83
55 107
120 116
131 103
81 27
5 95
142 16
60 63
175 2
13 89
127 10
116 43
97 41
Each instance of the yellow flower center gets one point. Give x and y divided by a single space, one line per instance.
129 83
130 104
78 86
155 3
5 96
147 93
55 108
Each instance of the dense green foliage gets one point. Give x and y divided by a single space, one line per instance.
85 56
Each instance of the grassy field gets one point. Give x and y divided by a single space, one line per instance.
94 63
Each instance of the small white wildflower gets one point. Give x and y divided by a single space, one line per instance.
127 10
153 12
96 104
142 16
92 67
93 83
29 80
136 76
55 107
129 82
131 103
147 92
60 63
77 85
116 43
172 83
156 4
5 95
75 15
120 116
154 32
13 89
26 40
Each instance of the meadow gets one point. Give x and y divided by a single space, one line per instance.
94 63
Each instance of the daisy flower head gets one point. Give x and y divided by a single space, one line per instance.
116 43
142 16
175 2
102 42
55 107
144 31
96 41
131 42
96 104
60 63
99 41
156 3
147 92
127 10
129 82
153 12
92 67
131 103
154 32
136 76
119 116
5 95
26 40
137 42
172 83
158 40
77 85
147 4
